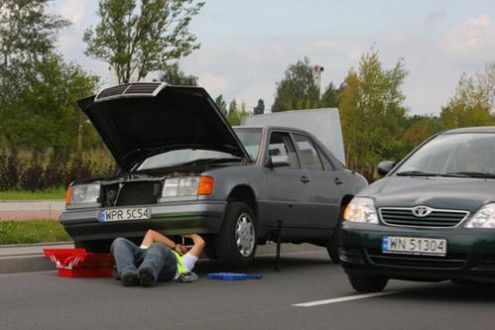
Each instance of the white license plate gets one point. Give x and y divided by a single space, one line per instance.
136 213
414 245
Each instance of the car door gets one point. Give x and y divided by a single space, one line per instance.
326 184
288 192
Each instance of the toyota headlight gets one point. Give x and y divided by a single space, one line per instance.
83 194
361 209
484 218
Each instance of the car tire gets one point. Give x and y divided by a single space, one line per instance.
236 244
97 246
367 283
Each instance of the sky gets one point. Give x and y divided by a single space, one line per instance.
246 46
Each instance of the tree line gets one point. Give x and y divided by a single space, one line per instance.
46 141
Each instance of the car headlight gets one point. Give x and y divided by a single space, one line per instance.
188 186
484 218
84 194
180 187
361 209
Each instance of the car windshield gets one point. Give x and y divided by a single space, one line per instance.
250 139
185 156
463 154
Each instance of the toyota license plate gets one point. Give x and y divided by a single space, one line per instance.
137 213
414 246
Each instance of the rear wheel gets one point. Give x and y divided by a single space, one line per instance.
367 283
236 244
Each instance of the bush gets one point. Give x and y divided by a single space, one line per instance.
35 171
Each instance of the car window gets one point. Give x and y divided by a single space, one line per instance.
326 163
451 153
307 153
176 157
281 145
250 139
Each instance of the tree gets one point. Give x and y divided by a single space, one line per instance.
329 99
418 128
221 104
174 76
372 112
259 109
298 89
135 43
232 107
473 103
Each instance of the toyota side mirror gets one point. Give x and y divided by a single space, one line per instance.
385 166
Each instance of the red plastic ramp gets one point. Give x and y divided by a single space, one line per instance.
80 263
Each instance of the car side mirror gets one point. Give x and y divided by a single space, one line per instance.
385 166
278 161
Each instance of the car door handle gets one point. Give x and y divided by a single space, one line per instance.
337 181
305 179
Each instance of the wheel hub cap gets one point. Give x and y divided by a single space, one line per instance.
245 234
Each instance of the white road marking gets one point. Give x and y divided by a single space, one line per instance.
344 299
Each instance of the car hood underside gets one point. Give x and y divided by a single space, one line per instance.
136 126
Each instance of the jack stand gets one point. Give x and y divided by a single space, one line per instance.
279 234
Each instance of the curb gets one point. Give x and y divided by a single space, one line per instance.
33 260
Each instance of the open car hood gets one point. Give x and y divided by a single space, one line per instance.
139 120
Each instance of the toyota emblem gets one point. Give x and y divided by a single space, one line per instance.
421 211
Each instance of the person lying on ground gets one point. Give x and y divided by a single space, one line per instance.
157 259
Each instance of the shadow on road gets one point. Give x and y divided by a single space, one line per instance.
449 292
267 264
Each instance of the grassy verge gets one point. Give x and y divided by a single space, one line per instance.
55 193
33 231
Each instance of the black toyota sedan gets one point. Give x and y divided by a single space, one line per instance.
431 218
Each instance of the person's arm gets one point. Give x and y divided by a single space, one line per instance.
199 245
153 236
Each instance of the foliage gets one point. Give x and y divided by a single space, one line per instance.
134 43
34 231
51 193
299 88
473 103
39 90
259 109
220 102
35 171
330 97
174 76
372 113
418 128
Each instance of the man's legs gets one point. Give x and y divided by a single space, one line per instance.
159 264
127 255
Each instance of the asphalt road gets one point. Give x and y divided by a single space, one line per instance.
44 301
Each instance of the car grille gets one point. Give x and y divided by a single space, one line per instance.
139 193
404 217
451 261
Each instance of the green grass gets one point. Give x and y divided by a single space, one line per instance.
33 231
54 193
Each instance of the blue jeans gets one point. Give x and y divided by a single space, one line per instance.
130 258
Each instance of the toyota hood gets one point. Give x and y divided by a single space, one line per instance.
138 120
437 192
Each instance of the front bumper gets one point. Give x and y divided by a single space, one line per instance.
470 253
202 217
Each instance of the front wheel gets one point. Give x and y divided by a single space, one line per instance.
367 283
236 244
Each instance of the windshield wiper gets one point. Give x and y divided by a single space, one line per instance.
416 173
470 174
210 161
